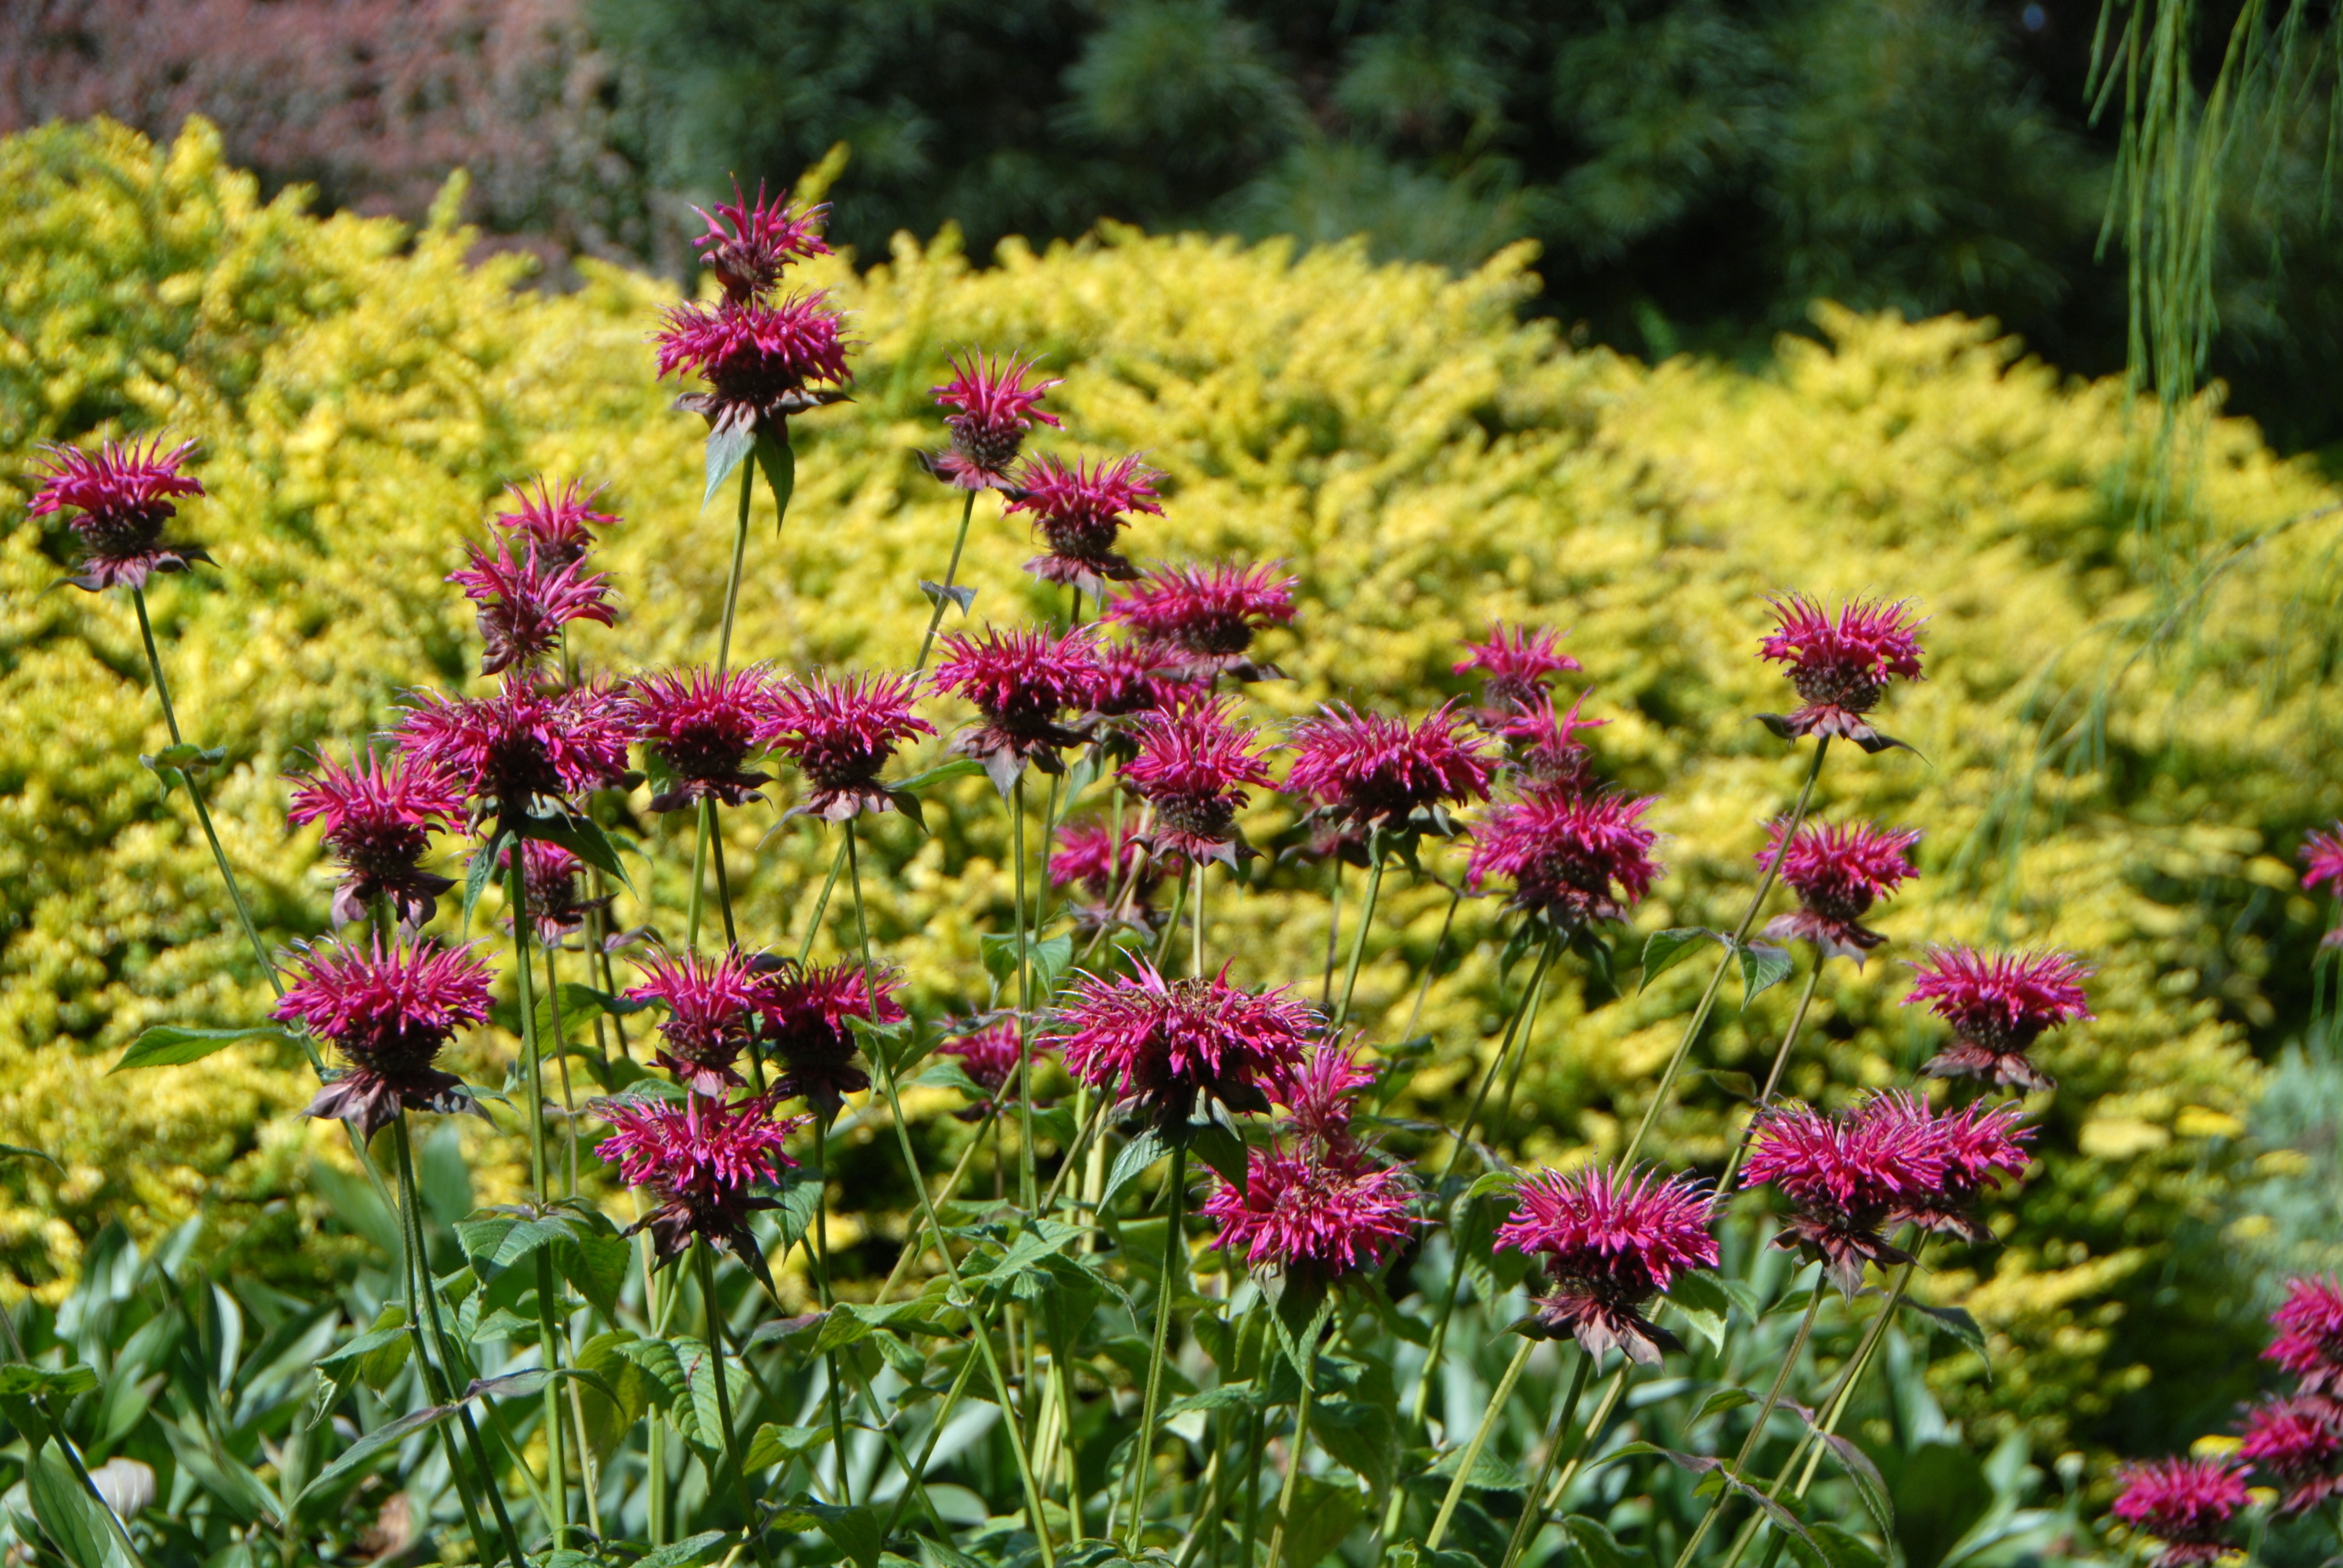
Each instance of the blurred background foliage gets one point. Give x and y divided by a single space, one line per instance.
1696 172
1426 459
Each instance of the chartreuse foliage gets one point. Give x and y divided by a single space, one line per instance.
1423 459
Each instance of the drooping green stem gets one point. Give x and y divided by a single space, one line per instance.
1716 980
1773 1078
739 557
951 571
1166 1298
1757 1427
1025 1175
1471 1456
1292 1488
730 1438
1532 1517
1366 923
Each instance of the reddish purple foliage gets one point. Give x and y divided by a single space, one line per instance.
1612 1239
2185 1504
389 1011
994 407
1998 1005
701 726
1298 1214
1021 681
1367 770
701 1162
1513 664
840 733
1168 1044
522 745
1572 859
1193 763
2309 1341
712 1007
123 494
749 243
762 361
2297 1442
525 602
1837 869
1846 1176
1200 621
1841 665
806 1011
556 526
378 816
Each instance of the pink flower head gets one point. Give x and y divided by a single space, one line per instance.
378 816
521 746
1513 664
701 1162
2309 1341
807 1009
2185 1504
988 1053
549 882
1020 681
1131 678
1837 869
1321 1098
2322 861
1367 770
1840 667
526 601
1998 1005
700 726
762 362
124 494
1846 1176
1116 885
711 1013
1168 1044
1546 750
389 1011
1572 859
1194 764
2297 1442
1612 1239
1080 511
993 408
840 733
1979 1145
1301 1214
556 527
749 243
1201 620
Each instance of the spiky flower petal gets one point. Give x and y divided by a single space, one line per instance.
1320 1095
125 493
1114 868
525 600
840 733
988 1054
1020 681
2309 1341
1841 665
2185 1503
1998 1004
762 362
747 243
807 1010
1837 869
701 1163
1200 621
1368 771
1168 1045
522 746
1546 750
711 1014
1514 663
549 882
390 1010
700 726
1846 1176
1298 1214
1976 1146
1612 1239
1193 766
556 527
993 408
1572 859
2322 861
378 816
2297 1442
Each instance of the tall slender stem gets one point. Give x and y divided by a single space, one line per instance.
1513 1027
1757 1427
1532 1517
1366 922
723 882
1438 952
556 1483
1773 1078
822 905
1166 1299
561 1066
1025 1176
1196 918
944 1409
706 831
731 1441
1293 1487
1333 933
739 555
951 571
822 1287
1716 981
1471 1456
910 1255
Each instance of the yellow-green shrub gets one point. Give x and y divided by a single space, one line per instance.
1424 461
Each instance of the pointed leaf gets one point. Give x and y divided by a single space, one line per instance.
481 871
1136 1158
729 447
779 459
1663 950
170 1045
1763 966
582 837
1222 1150
959 593
78 1523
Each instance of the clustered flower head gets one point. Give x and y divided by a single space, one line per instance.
1547 751
1116 871
1975 1147
762 361
1514 663
1612 1241
988 1053
993 408
711 1015
1081 510
701 1163
2297 1441
1369 771
1193 763
1020 681
123 494
1847 1177
2322 861
1131 680
806 1010
554 527
378 816
1199 622
1841 665
2185 1503
1837 870
1998 1004
1320 1095
840 733
522 745
1168 1045
1572 859
525 601
548 875
390 1010
700 726
2309 1341
1300 1213
748 244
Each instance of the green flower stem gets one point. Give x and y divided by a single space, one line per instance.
951 571
1757 1427
1438 952
723 882
822 905
1170 922
561 1065
1166 1298
1334 934
822 1289
880 1060
1196 921
950 1402
598 933
730 1440
1026 1184
740 556
1251 1335
698 875
1366 922
904 1258
556 1481
1502 1115
1532 1510
1515 1027
1773 1078
412 1268
1292 1488
1716 981
1489 1418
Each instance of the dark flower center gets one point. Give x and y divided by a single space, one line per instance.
1845 686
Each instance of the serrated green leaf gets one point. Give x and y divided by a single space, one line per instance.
1663 950
854 1531
1956 1321
170 1045
1323 1514
1133 1162
1050 958
1763 966
582 837
690 1552
729 447
997 952
1222 1150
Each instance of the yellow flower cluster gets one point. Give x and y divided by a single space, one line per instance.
1421 460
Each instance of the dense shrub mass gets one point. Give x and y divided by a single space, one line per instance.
1422 460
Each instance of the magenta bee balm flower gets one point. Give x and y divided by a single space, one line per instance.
1977 1145
840 733
1113 868
556 527
1200 621
1572 859
1020 681
711 1015
806 1010
1298 1214
1546 750
2309 1341
522 746
389 1011
124 494
2297 1442
701 1163
1167 1045
1612 1241
1998 1005
762 362
1847 1177
1320 1096
987 1054
1513 664
748 244
1080 511
378 816
1840 667
2185 1503
2322 861
993 408
1837 870
1194 764
525 602
700 728
1369 771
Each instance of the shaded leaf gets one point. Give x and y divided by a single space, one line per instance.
169 1045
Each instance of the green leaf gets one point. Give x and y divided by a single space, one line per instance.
78 1522
582 837
1763 966
1598 1545
998 951
1493 1182
169 1045
359 1454
1956 1321
1363 1436
623 1396
1720 1400
775 1445
1663 950
1703 1303
1870 1486
18 1151
854 1531
580 1006
1222 1150
944 773
1322 1515
1136 1158
727 448
374 1357
779 459
1827 1545
690 1552
951 1074
1051 959
482 869
24 1380
668 1388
